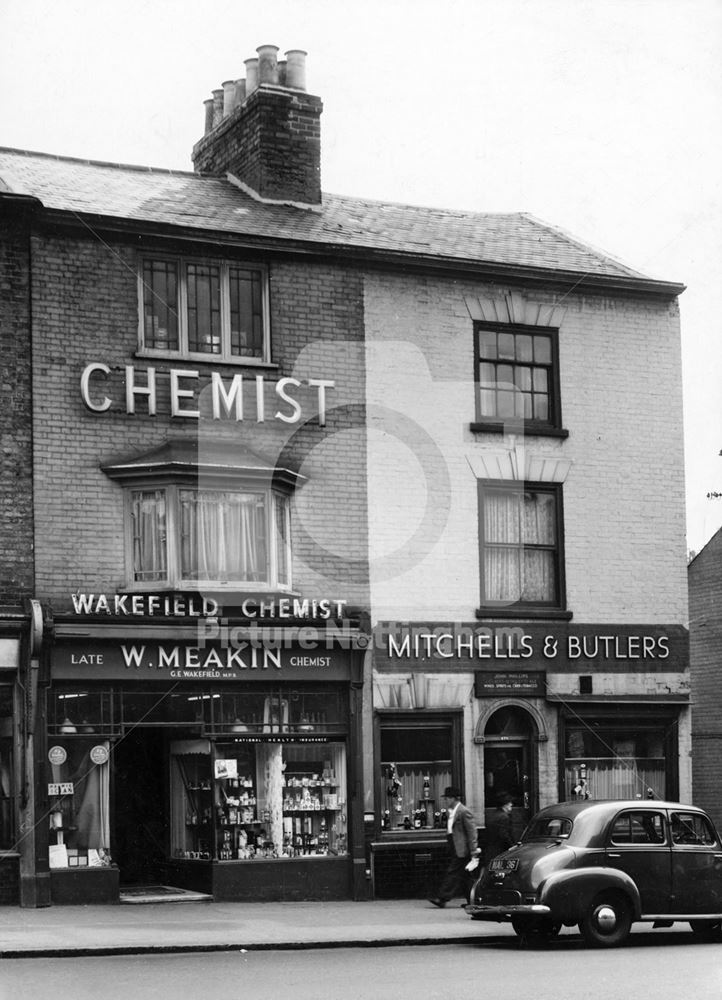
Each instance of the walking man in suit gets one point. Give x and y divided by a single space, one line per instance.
462 841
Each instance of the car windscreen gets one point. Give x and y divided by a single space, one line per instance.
547 828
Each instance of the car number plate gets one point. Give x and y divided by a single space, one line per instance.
504 864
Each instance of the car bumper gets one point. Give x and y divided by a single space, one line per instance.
477 911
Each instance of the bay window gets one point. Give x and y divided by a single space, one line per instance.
203 513
183 536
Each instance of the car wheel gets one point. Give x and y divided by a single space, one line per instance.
606 922
706 930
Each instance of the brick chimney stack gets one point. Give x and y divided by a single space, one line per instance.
265 130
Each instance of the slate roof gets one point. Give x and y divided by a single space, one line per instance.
183 199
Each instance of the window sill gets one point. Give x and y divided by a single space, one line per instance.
512 427
207 359
555 614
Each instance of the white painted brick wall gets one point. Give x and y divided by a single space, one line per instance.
623 497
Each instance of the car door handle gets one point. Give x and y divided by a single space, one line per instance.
718 857
611 855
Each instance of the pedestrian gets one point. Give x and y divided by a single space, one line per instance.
499 836
461 837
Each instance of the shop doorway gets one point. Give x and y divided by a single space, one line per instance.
509 766
139 827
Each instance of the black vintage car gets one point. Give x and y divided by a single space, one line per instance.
604 865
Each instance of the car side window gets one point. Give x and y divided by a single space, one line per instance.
691 828
638 827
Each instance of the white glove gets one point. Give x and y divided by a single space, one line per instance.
473 865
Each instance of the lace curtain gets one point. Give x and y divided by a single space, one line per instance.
514 569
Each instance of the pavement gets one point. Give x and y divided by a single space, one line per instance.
71 931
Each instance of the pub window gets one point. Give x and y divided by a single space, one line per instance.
420 754
183 536
517 376
607 760
520 530
203 309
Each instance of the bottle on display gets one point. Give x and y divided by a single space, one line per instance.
427 786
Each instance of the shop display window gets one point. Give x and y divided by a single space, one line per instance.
240 801
6 769
275 710
79 803
420 756
604 761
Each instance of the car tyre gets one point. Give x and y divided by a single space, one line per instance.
706 930
607 921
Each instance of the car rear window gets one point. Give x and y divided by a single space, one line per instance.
638 827
548 828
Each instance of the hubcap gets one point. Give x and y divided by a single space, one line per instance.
606 918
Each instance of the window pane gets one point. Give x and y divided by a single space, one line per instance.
506 346
160 305
502 577
283 569
523 377
148 527
487 374
541 408
538 575
501 517
487 344
223 536
506 404
539 518
542 350
246 305
204 308
540 379
524 351
505 373
487 400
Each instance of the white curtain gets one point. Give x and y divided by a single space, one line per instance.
224 535
149 535
514 523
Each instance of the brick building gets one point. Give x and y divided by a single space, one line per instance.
268 423
705 652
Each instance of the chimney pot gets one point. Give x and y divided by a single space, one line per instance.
282 72
229 97
251 75
209 115
217 106
267 63
296 69
240 92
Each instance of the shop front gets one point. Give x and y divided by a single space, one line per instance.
539 714
224 768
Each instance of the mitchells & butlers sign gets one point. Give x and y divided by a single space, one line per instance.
571 648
